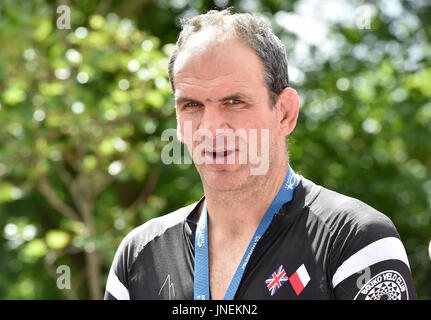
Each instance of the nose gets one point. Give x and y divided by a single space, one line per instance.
214 120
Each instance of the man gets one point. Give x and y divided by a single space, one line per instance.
261 231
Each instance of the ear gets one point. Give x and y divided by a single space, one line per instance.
287 109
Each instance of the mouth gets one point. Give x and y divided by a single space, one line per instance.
218 154
219 157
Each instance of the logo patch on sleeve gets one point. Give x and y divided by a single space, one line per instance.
387 285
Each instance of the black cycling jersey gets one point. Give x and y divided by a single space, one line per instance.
321 245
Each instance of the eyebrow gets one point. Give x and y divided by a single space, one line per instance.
236 96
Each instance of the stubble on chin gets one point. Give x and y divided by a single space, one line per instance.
242 180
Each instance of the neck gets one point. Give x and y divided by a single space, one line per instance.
239 212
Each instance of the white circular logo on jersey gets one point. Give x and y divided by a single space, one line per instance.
387 285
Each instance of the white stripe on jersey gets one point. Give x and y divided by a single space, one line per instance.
116 288
380 250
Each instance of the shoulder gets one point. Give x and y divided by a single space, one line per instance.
139 237
346 216
362 241
132 245
353 226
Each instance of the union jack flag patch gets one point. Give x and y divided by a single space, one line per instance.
276 280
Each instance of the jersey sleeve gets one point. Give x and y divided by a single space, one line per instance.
368 260
117 284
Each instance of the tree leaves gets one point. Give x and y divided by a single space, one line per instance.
82 112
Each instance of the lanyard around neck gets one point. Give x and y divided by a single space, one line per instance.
201 273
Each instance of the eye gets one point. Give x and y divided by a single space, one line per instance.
234 101
192 104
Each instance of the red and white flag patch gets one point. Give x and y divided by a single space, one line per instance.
299 279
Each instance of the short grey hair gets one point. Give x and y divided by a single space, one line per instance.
251 29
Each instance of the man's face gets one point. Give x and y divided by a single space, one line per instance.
220 91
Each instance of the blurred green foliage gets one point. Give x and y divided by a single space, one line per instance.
82 112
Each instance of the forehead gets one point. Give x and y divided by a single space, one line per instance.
208 64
